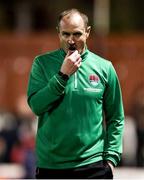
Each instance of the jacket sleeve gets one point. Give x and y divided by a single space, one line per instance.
42 93
114 116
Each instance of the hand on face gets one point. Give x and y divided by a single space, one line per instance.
71 63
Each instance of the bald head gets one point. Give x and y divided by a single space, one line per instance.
72 20
72 14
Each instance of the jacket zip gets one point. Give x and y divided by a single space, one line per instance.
75 80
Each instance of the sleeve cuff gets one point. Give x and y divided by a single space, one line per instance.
57 85
114 158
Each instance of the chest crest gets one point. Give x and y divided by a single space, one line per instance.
94 80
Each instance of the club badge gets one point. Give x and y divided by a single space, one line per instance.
94 79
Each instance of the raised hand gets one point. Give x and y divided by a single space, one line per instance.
71 63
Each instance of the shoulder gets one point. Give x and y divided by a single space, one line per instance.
48 55
46 61
99 59
101 62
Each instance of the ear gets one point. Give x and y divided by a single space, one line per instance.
88 29
57 28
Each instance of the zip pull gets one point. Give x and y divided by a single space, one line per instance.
75 80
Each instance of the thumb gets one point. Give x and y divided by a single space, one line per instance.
71 52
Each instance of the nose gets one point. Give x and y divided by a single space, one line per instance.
71 42
71 39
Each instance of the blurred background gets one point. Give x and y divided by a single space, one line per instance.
27 28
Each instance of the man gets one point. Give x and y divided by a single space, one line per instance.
69 89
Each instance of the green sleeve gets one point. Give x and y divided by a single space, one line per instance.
43 94
114 116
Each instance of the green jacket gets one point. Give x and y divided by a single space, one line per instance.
71 127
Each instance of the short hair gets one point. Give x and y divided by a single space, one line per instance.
72 11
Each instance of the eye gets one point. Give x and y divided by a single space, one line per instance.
66 34
77 34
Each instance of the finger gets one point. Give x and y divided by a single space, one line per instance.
75 68
68 53
71 52
75 57
78 62
75 53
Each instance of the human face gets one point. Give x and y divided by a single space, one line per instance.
73 33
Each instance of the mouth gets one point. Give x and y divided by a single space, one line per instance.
72 48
